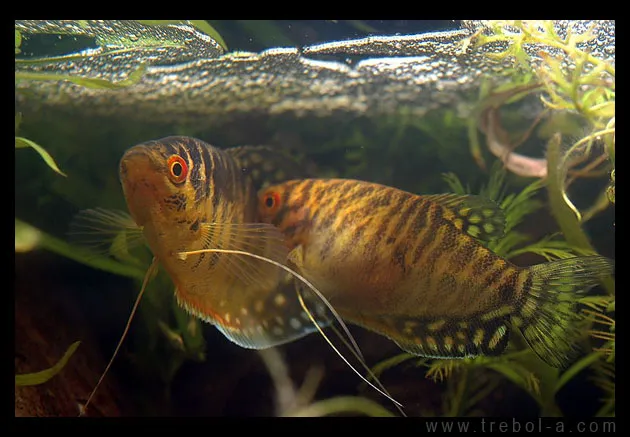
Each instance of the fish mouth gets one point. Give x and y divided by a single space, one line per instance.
140 177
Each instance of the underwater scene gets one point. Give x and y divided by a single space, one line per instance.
315 218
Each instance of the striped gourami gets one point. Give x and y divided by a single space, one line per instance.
186 196
415 269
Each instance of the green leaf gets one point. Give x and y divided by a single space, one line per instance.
201 25
18 41
343 404
564 213
159 22
505 246
605 110
495 188
21 143
75 56
518 375
206 28
599 303
577 368
119 249
454 183
517 206
78 254
87 82
549 249
440 370
43 376
361 26
389 363
26 237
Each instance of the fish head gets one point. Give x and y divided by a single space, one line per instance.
286 206
271 201
156 181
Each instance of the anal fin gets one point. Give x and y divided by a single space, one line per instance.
274 321
445 337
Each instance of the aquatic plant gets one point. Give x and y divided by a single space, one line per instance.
201 25
21 142
26 239
37 378
569 81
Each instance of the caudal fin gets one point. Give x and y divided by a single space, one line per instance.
548 317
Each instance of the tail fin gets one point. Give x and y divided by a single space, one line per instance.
548 317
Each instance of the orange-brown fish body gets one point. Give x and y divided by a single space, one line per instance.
376 243
189 196
408 266
170 209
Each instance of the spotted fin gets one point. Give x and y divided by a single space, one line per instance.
268 321
266 165
478 216
547 316
445 337
245 293
106 232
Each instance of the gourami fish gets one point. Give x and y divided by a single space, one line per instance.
184 195
187 196
414 269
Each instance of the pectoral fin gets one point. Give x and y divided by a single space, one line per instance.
106 232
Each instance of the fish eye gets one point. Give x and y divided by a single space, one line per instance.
177 169
271 200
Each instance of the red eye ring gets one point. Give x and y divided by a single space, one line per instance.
271 200
177 169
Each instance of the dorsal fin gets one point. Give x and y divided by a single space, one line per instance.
478 216
266 165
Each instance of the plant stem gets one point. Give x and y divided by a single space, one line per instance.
343 404
564 213
62 248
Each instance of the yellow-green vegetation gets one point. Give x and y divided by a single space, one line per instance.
342 404
610 191
28 238
43 376
576 86
201 25
18 41
568 80
21 143
88 82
